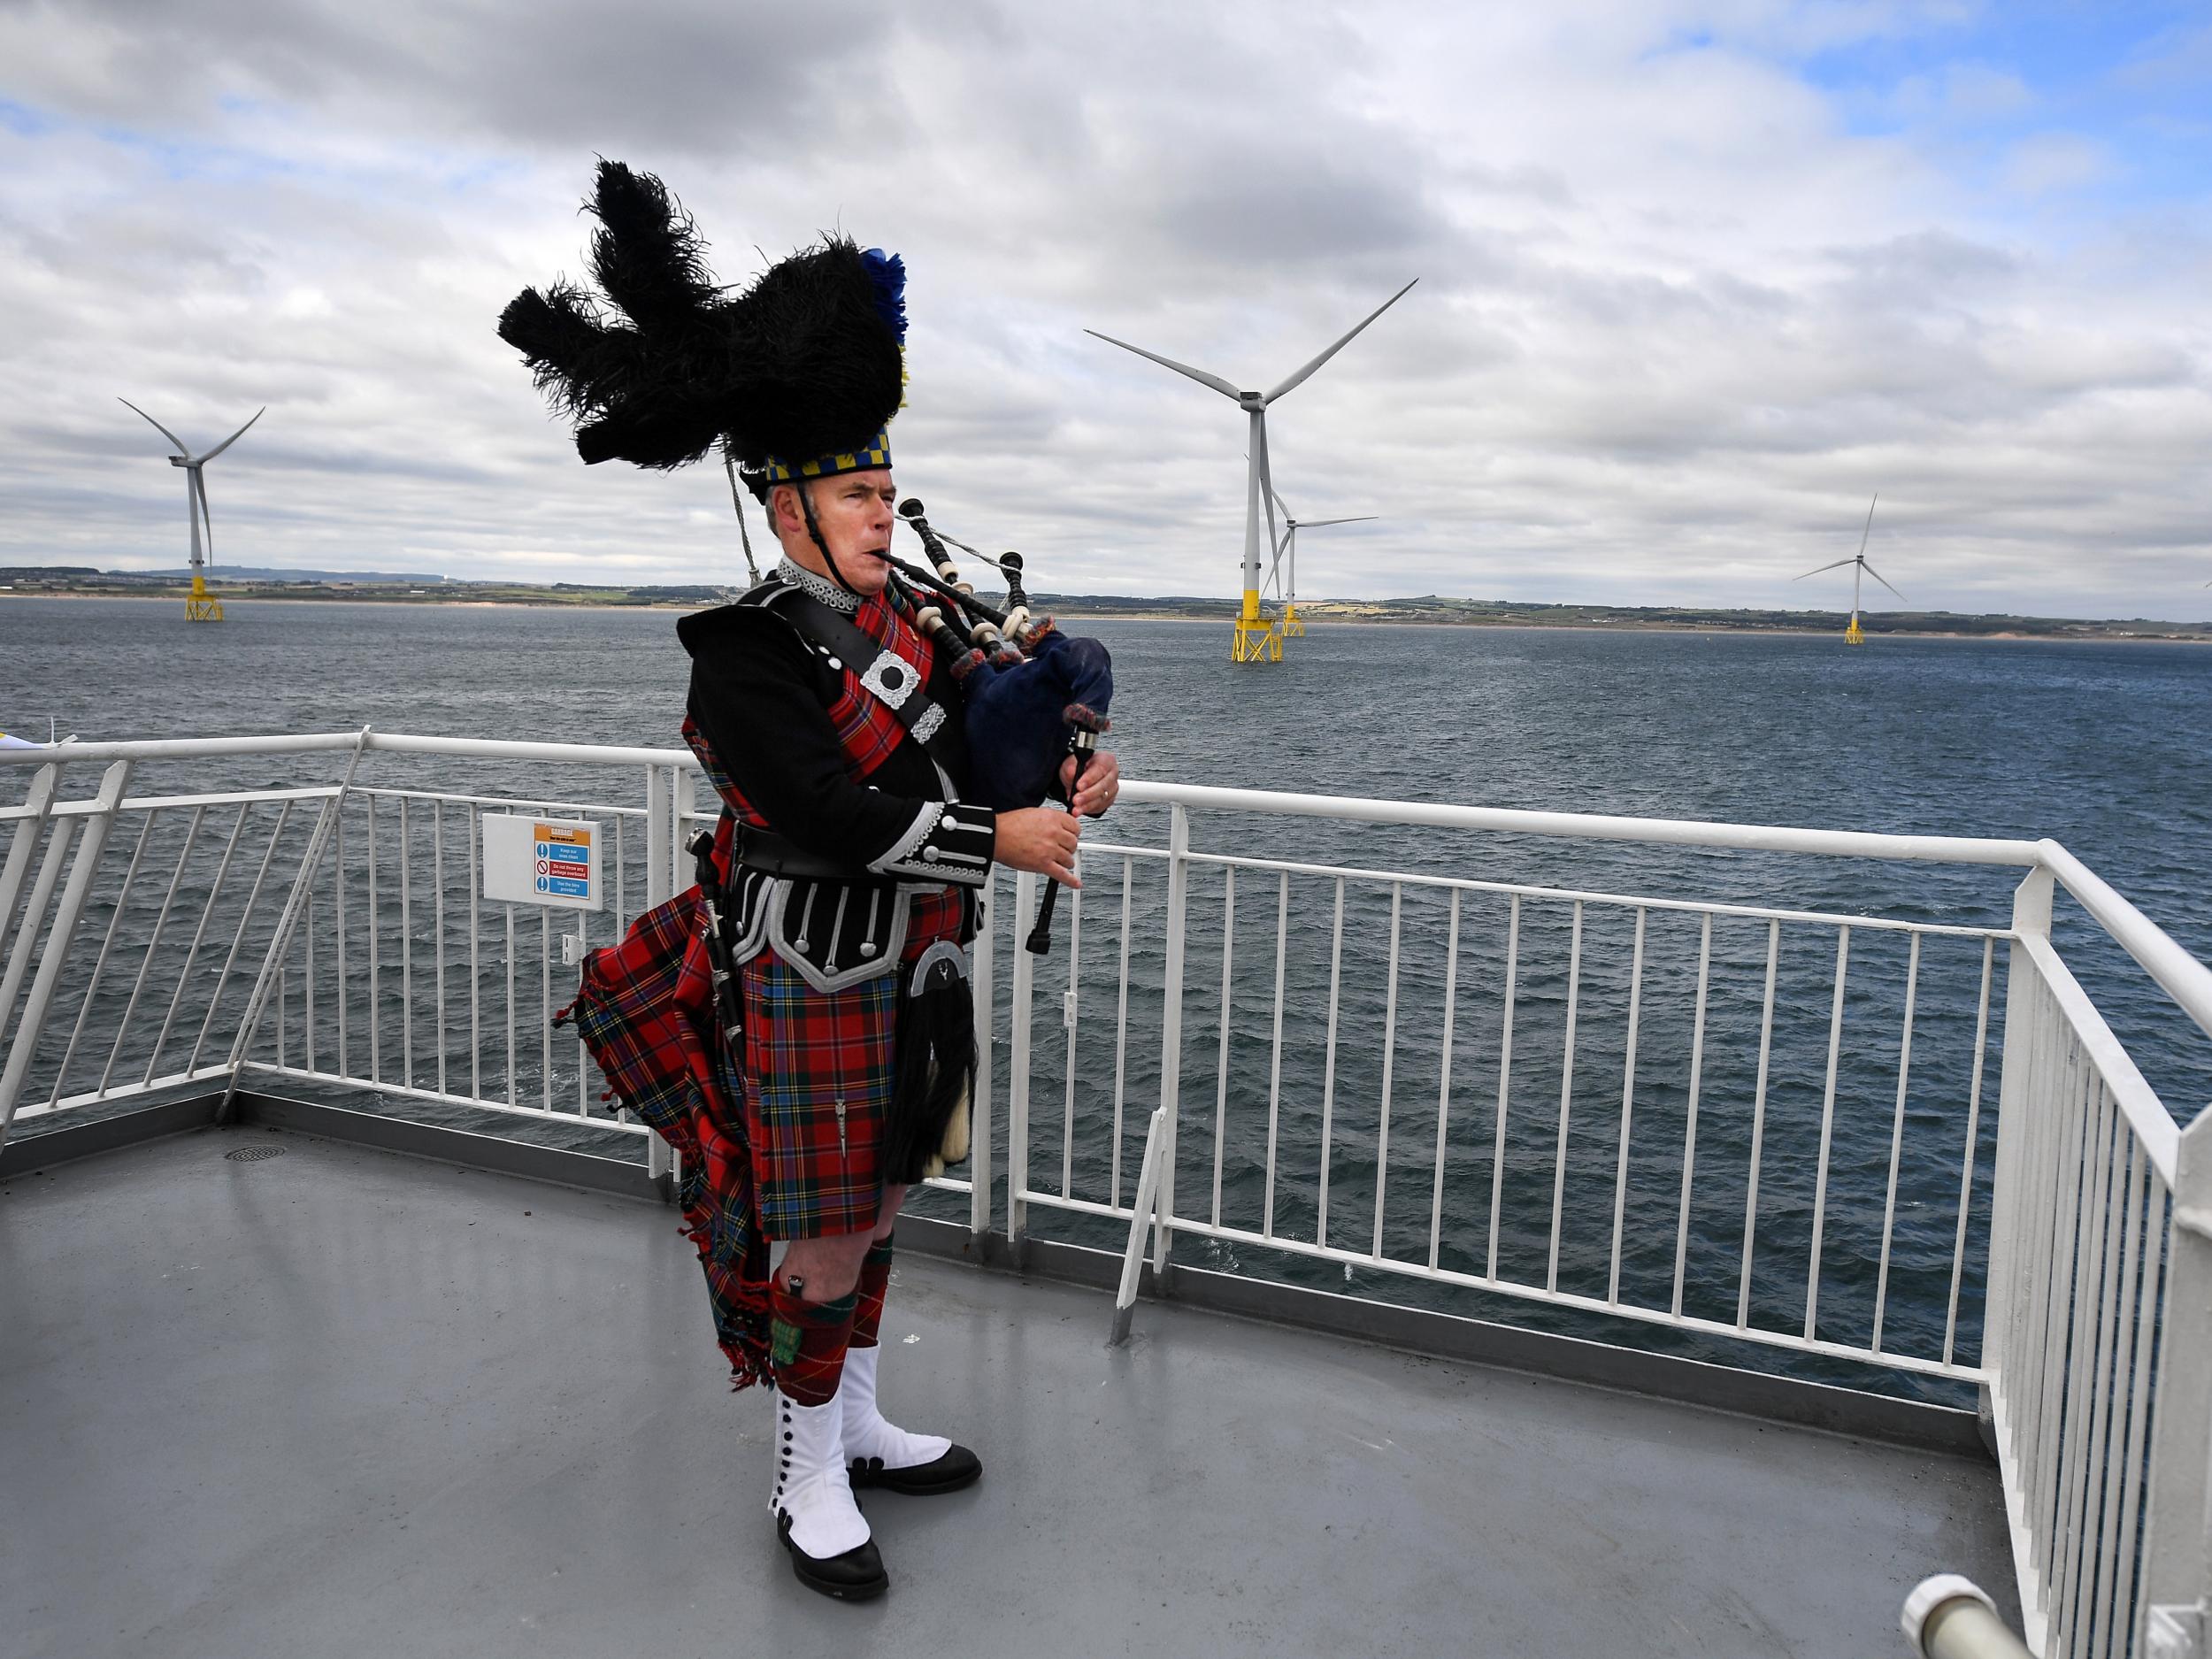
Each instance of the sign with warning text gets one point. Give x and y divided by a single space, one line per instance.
542 861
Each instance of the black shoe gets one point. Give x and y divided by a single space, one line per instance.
958 1467
856 1576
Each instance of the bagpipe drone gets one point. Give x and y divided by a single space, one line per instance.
663 365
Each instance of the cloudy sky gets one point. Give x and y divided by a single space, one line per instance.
1695 281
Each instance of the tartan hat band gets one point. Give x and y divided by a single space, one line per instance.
875 453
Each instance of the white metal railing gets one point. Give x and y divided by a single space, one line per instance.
1739 1122
1673 1161
2090 1167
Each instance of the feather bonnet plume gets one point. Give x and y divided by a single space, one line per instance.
662 365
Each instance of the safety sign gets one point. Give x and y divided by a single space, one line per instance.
542 861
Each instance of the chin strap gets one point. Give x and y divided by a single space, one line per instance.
743 534
814 529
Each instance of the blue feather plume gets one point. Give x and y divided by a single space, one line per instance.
888 271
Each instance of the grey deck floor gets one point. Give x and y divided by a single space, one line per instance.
342 1402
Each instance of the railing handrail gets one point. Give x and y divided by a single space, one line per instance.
2180 975
1592 826
1538 890
1574 825
323 743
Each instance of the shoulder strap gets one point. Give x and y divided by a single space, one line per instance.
883 674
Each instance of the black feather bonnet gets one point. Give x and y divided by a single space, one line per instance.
662 365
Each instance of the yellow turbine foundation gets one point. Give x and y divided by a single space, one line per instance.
1293 629
1256 641
1855 635
200 605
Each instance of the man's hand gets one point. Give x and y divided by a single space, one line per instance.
1040 839
1102 782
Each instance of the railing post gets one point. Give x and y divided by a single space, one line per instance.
42 894
1143 1211
2176 1595
2015 1103
1017 1069
1171 1035
90 840
659 872
983 989
38 801
660 867
681 785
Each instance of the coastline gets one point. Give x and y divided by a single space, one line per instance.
2064 631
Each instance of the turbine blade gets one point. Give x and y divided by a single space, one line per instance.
1200 375
157 426
1315 524
1281 505
199 488
235 436
1838 565
1267 476
1867 528
1876 575
1299 377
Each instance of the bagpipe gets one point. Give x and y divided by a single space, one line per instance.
1032 695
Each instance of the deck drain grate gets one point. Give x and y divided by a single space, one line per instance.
254 1154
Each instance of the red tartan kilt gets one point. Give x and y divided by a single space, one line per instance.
819 1069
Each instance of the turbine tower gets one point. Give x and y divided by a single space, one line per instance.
1854 634
200 605
1292 629
1256 640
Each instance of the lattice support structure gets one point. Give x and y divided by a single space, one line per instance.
1256 640
200 605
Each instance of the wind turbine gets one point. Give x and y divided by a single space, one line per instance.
200 605
1293 629
1853 635
1256 640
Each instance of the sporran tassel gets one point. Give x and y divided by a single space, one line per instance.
935 1044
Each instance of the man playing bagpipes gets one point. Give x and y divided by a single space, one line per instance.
799 1027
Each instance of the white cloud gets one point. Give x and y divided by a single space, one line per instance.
1677 320
2056 161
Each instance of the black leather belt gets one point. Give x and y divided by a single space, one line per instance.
779 856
